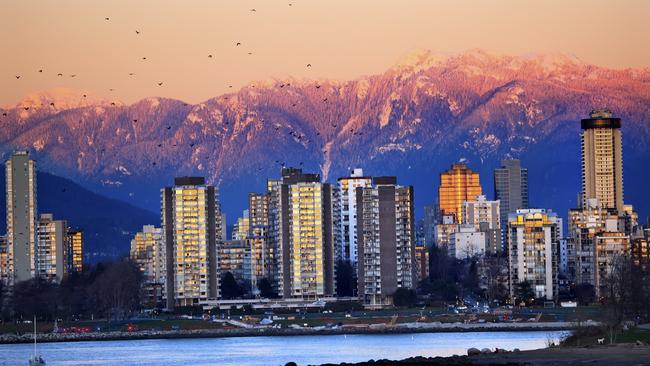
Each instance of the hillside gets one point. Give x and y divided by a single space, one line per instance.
108 224
414 120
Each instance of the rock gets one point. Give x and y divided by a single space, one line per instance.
486 351
639 343
473 351
290 364
516 350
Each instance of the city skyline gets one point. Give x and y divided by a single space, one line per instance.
304 183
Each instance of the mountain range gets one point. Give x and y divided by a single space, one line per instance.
108 224
413 120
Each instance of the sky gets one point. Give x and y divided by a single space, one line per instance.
340 39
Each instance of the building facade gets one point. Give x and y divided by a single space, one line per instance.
510 189
191 224
21 218
467 242
602 159
261 250
235 257
387 257
148 253
598 236
533 241
51 248
485 215
422 262
444 231
301 235
346 215
241 228
457 185
75 250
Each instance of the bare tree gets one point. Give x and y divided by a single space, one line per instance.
618 294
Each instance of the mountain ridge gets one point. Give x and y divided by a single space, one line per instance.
413 120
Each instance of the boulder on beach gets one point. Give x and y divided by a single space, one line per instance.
486 351
473 351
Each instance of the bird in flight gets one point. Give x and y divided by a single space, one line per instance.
253 10
160 84
59 74
107 18
17 76
209 56
308 65
131 73
41 70
137 31
238 44
73 75
144 58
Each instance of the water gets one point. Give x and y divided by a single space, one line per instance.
249 351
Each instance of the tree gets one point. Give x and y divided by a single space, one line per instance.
404 297
36 297
346 279
266 289
117 289
229 287
618 294
470 277
439 264
524 292
584 293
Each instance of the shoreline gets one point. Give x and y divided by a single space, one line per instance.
625 354
407 328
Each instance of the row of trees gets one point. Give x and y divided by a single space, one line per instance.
106 290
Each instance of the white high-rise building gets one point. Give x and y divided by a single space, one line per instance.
191 223
485 216
21 219
533 244
602 160
467 242
346 235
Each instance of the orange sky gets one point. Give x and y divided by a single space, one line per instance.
341 39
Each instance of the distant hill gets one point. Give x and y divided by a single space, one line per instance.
108 224
414 120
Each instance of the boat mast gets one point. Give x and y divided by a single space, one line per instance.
34 334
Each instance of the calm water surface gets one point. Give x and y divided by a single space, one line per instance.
248 351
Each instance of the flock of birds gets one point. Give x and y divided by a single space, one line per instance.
300 137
